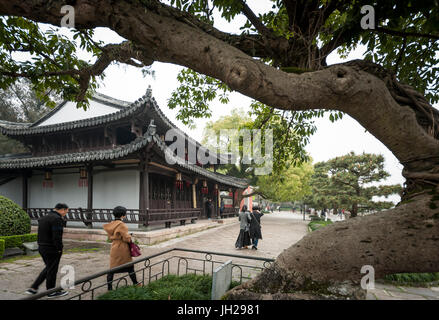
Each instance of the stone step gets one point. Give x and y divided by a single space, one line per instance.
10 252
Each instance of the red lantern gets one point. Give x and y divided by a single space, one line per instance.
83 178
204 189
48 182
179 181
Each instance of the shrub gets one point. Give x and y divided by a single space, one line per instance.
13 219
314 225
2 247
414 279
17 241
187 287
234 283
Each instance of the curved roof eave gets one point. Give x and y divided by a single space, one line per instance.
125 109
113 154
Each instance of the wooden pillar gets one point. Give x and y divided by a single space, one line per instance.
174 196
89 214
25 198
141 186
144 189
90 188
194 195
233 200
219 197
146 182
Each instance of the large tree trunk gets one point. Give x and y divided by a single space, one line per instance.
327 263
401 240
354 210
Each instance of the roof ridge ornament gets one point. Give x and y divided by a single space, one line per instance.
151 128
148 92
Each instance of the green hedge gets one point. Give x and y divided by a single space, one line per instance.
17 241
13 219
2 247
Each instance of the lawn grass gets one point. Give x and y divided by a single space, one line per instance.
413 279
314 225
170 287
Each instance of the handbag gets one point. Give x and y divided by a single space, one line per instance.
134 249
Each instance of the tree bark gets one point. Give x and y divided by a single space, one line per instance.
404 239
354 210
327 262
162 37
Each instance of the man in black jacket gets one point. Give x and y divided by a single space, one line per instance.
209 208
50 246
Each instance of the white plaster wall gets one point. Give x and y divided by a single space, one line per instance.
69 112
116 188
65 189
12 190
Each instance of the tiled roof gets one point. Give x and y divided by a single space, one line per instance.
9 124
170 125
29 162
125 110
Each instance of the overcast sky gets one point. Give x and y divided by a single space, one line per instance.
331 139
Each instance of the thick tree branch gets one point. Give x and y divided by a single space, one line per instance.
350 87
254 193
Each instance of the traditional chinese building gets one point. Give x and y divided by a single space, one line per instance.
114 153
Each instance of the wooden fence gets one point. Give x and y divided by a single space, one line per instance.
144 217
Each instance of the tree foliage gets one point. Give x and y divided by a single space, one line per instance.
279 58
292 184
350 182
287 183
19 103
222 133
293 36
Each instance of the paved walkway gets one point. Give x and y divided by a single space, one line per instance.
279 230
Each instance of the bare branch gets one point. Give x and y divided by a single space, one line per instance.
255 20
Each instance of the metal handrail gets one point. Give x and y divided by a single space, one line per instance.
144 259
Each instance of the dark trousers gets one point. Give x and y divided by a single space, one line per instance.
51 259
130 271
